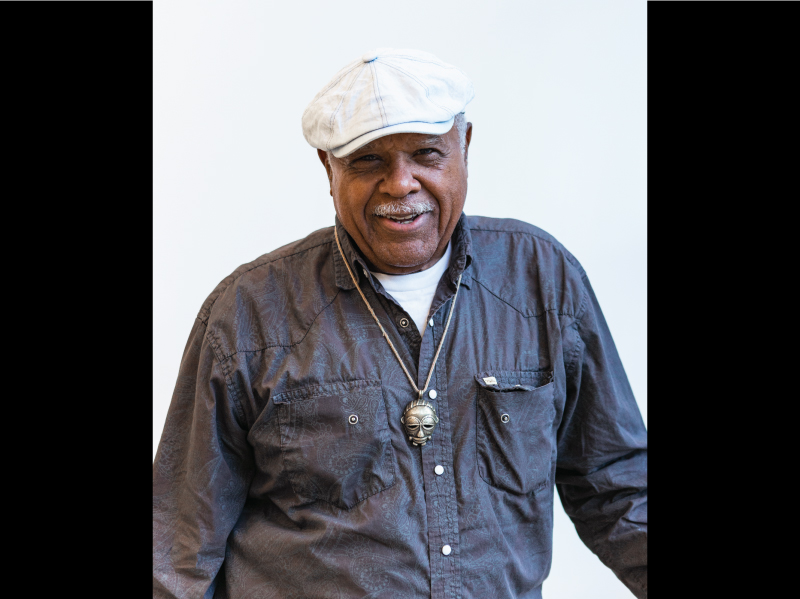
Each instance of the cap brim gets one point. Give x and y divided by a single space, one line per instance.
412 127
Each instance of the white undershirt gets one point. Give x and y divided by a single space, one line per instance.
415 292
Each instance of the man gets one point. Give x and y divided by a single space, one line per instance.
383 408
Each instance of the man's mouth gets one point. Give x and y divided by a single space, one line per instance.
404 220
403 213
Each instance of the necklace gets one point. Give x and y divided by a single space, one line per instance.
419 416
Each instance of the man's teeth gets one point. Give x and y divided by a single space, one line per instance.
404 219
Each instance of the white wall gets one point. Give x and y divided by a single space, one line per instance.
559 141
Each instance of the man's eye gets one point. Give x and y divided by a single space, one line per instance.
367 158
425 151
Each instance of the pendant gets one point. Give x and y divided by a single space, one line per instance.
419 420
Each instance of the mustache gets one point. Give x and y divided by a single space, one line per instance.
404 208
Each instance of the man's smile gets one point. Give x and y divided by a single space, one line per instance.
405 216
404 224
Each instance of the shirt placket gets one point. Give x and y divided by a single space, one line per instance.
437 455
437 467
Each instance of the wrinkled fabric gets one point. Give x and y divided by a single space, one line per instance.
284 470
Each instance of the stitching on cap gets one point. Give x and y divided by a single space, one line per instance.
425 87
327 89
439 64
378 93
415 59
333 116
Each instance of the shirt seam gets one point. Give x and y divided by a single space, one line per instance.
311 324
544 311
207 311
224 365
571 259
572 357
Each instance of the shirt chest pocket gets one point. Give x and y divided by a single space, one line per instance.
335 442
515 414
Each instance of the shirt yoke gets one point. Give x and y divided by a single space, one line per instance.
526 268
274 300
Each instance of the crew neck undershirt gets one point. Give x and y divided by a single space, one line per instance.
415 292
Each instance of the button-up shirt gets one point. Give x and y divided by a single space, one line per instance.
284 469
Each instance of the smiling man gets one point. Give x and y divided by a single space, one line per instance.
400 196
384 408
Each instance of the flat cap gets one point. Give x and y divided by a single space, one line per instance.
386 91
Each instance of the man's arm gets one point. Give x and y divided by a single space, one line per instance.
201 475
601 473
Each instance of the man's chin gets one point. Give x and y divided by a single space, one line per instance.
404 258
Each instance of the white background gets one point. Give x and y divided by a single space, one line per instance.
559 141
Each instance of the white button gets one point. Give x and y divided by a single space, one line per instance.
439 470
365 272
432 393
369 56
446 550
430 322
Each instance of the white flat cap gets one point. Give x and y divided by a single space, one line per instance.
386 91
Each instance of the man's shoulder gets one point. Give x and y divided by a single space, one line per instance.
525 266
268 281
484 229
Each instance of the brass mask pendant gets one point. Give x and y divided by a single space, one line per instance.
419 420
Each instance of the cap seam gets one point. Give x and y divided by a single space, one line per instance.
441 64
425 87
335 112
331 85
377 88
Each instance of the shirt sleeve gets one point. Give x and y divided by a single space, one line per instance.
201 474
601 472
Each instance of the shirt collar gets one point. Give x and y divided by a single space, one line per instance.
459 263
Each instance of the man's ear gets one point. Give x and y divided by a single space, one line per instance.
323 158
468 138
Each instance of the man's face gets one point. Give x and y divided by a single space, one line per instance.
400 197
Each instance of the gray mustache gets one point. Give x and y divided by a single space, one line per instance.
404 208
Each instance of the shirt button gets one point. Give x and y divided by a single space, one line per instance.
432 393
430 322
439 470
446 550
365 272
404 322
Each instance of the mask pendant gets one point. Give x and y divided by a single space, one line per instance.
419 420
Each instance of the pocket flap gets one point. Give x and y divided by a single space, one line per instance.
513 380
312 391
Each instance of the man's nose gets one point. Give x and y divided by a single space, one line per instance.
399 180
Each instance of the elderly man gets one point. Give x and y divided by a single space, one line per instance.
383 408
